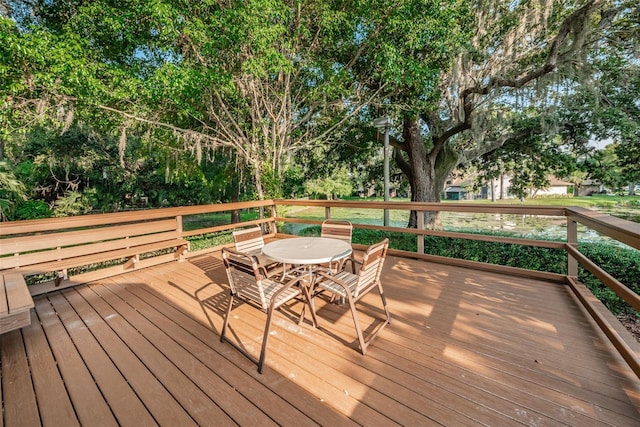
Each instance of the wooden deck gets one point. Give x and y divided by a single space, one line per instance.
464 348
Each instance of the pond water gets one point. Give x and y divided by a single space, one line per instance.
527 226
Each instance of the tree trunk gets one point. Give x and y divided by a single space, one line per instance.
257 174
235 214
429 171
266 227
493 190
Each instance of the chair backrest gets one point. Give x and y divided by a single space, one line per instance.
245 278
337 229
372 263
248 239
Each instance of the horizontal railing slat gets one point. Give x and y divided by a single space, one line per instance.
52 224
624 231
37 242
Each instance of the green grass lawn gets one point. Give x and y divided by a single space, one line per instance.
584 201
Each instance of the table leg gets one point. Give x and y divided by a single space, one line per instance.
309 291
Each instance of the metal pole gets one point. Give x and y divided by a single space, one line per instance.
385 123
386 173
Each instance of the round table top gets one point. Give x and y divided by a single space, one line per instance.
307 250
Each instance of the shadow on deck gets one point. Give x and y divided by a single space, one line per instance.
463 348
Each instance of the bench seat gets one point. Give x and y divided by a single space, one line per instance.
55 247
132 253
15 302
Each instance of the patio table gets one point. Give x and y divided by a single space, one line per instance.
308 252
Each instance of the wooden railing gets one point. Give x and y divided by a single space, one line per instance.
618 229
420 232
59 252
623 231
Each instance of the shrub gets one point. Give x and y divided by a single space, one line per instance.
33 209
621 263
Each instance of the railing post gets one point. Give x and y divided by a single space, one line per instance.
420 225
179 224
572 239
274 214
327 212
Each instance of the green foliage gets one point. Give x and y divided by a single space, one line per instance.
337 184
605 107
400 241
528 159
194 222
12 191
33 209
293 182
533 258
621 263
72 203
601 165
215 99
272 182
209 240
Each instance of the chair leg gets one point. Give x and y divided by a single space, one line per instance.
236 345
384 302
226 319
363 344
263 350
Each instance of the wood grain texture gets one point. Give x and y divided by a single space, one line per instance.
464 347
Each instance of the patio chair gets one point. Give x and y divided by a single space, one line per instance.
250 241
342 230
353 287
248 281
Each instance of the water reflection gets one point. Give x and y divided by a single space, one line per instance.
526 226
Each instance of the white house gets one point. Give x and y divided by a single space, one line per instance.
463 188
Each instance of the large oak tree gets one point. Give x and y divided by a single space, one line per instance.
514 53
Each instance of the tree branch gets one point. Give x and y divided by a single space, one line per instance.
575 20
578 17
187 132
476 152
402 163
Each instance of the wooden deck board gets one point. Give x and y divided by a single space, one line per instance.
517 398
200 358
158 400
179 325
463 348
287 397
19 401
188 394
54 404
84 393
123 401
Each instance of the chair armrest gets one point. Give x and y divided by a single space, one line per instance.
263 271
334 279
286 286
322 268
354 262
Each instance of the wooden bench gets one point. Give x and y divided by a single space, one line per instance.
15 302
55 246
